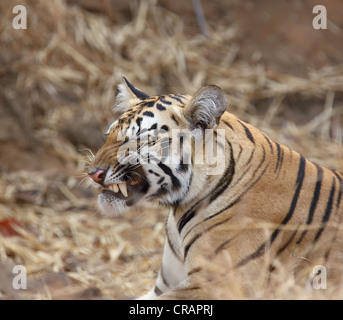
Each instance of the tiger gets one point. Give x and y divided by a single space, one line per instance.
265 205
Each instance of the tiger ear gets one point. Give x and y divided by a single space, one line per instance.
206 107
127 94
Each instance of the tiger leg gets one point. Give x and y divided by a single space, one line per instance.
172 273
184 291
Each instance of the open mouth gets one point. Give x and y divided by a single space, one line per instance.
126 190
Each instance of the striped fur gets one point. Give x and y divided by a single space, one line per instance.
269 204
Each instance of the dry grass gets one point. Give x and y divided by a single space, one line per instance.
56 90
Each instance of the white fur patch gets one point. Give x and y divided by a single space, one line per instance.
123 98
111 126
110 206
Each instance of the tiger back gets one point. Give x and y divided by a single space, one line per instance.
255 206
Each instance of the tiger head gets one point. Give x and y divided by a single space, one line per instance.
150 152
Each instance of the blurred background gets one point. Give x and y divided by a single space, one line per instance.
57 85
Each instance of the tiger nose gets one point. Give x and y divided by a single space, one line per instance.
98 175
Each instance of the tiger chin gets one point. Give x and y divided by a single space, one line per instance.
253 209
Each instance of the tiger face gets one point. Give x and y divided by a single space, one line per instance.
150 153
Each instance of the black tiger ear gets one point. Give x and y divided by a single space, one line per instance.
126 94
206 107
138 93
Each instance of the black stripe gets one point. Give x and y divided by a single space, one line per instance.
184 219
176 203
182 167
240 152
158 291
187 247
165 143
271 269
165 128
153 172
247 165
247 132
288 242
256 254
148 114
187 289
145 188
263 246
197 236
226 179
228 124
337 205
222 246
153 127
195 270
192 208
160 180
279 157
126 139
138 122
171 245
260 164
160 192
160 107
180 95
175 98
328 210
175 181
148 104
340 187
299 182
163 100
249 160
141 132
175 120
269 142
314 201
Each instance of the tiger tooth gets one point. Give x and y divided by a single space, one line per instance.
115 188
123 188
